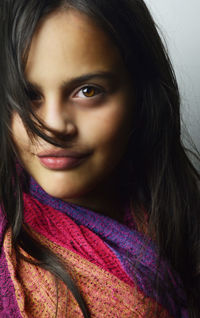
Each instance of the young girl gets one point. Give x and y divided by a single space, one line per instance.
100 205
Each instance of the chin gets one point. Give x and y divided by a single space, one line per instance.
65 185
62 190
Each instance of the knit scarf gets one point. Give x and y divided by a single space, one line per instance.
114 266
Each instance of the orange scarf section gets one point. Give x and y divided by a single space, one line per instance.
105 294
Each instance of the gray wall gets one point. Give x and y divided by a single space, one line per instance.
179 23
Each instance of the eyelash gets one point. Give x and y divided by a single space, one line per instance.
97 91
35 96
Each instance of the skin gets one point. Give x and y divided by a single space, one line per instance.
67 45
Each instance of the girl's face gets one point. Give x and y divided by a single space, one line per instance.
84 92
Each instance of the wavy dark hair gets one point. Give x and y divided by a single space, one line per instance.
165 181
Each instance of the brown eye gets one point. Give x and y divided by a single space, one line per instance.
89 92
34 96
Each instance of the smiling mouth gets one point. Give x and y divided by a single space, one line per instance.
62 159
61 163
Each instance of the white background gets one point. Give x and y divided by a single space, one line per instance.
179 23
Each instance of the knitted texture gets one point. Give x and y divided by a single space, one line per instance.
114 266
8 302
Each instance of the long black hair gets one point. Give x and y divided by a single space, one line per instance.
165 181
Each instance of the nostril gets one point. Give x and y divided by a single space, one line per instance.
65 128
64 133
70 128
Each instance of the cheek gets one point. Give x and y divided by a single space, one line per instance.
110 127
19 134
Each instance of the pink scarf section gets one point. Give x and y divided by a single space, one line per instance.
106 288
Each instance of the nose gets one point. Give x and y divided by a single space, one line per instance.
57 116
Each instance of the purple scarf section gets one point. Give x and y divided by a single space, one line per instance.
136 253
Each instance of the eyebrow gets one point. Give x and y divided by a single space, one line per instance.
80 79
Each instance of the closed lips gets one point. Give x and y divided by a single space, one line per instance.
62 153
61 159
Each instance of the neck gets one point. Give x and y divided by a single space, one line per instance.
107 199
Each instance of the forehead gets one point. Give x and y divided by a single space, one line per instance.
71 43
